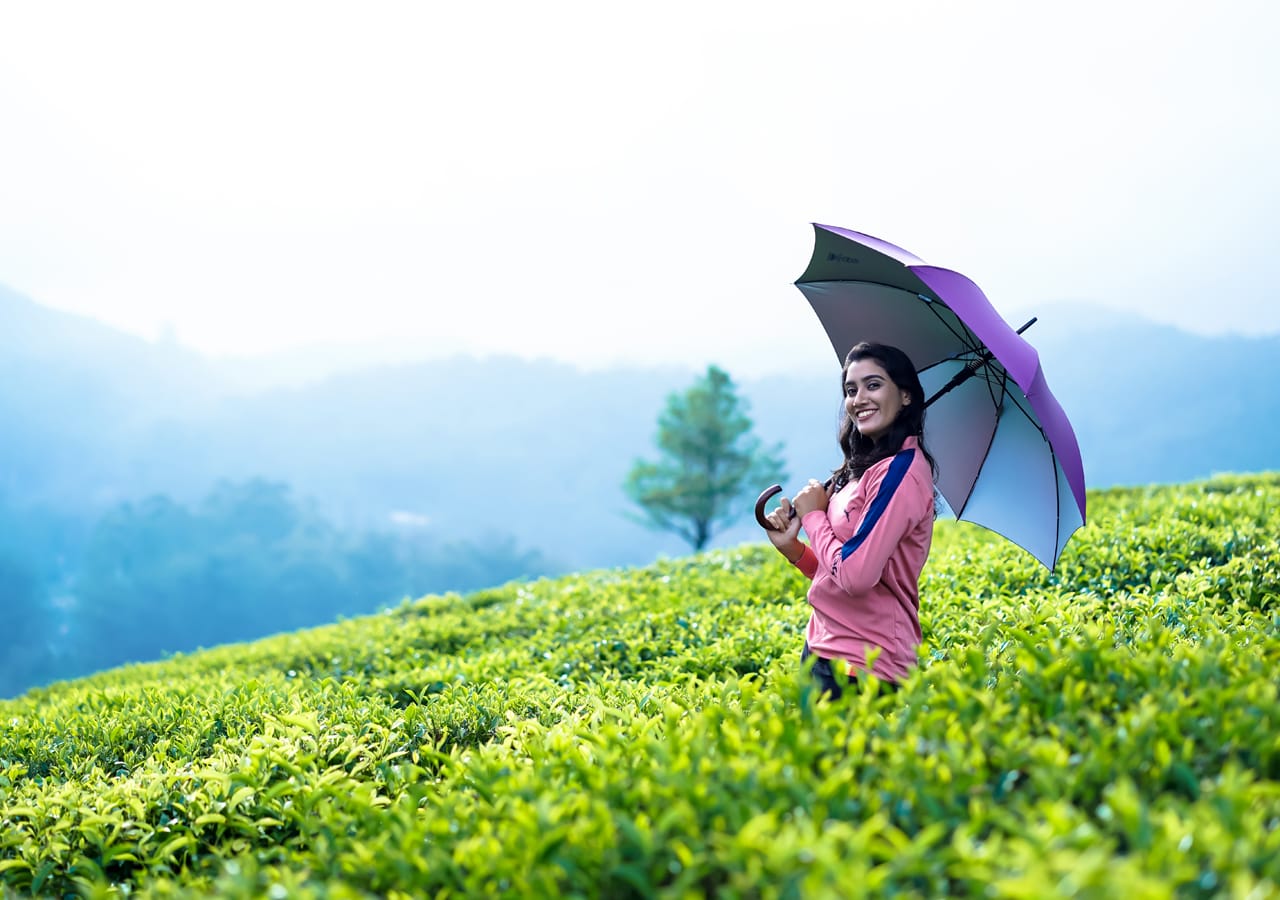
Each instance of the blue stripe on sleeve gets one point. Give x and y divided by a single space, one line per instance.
897 471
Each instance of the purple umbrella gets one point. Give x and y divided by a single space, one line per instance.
1007 456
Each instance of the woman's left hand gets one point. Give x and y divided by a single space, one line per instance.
812 496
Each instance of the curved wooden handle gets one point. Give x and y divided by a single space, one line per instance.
768 492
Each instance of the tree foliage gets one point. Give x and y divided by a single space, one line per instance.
710 462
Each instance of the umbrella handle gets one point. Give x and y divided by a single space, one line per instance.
777 489
768 492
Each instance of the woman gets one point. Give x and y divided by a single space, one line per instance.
869 538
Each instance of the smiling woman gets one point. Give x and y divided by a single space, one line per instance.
870 527
871 400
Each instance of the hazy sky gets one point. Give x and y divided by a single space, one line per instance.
602 182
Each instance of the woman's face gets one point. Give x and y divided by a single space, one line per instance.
871 399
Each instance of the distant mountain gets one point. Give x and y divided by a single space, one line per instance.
78 397
152 377
479 448
1151 403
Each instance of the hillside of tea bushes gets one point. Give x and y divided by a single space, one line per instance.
1111 729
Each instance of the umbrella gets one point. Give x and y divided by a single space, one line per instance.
1007 456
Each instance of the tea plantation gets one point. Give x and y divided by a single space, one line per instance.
1111 729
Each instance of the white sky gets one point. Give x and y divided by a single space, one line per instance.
600 182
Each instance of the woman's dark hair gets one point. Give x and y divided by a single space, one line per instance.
860 453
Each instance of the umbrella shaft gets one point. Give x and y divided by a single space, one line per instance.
970 369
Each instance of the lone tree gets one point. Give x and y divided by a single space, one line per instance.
710 462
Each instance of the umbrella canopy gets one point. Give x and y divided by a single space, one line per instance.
1007 456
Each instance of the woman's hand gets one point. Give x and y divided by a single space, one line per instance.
784 532
812 496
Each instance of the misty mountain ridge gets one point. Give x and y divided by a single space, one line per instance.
536 449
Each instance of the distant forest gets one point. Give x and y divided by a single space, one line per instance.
155 577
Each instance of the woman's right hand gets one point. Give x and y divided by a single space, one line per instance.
784 532
813 496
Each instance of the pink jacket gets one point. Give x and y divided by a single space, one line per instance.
867 552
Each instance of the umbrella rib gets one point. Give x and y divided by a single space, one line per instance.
1057 509
993 378
969 493
1017 401
1007 394
1001 376
964 336
1053 473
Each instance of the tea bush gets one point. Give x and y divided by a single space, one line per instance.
1109 729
